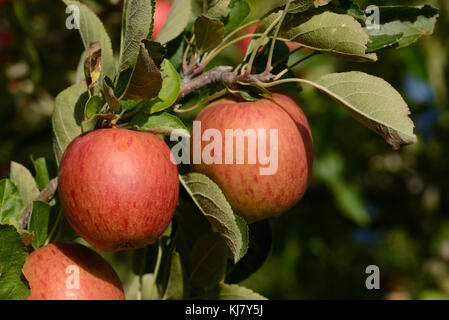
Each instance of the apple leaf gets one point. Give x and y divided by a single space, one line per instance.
373 102
92 64
175 285
211 201
171 87
401 26
298 6
93 106
67 117
39 220
110 96
239 10
163 123
42 175
13 285
209 33
208 261
92 30
218 9
11 203
336 34
146 80
378 42
136 23
236 292
176 22
24 181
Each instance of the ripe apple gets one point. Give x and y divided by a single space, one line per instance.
70 271
118 188
253 195
160 15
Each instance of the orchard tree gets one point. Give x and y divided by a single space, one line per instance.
163 151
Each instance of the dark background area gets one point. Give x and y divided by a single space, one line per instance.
366 205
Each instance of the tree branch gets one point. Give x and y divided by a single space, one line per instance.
220 74
46 195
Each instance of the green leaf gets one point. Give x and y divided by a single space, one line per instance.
175 284
129 105
92 30
235 292
373 102
209 33
218 9
213 204
11 204
378 42
298 6
208 261
67 117
176 22
13 285
123 81
42 175
336 34
146 80
93 106
239 10
40 218
171 87
24 181
163 123
109 95
405 24
136 22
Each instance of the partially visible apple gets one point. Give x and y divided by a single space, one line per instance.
70 271
244 44
160 15
118 188
257 196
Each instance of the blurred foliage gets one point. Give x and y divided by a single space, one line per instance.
366 204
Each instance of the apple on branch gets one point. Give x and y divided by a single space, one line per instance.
70 271
118 188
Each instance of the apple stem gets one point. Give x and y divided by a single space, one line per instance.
53 229
259 44
157 267
276 32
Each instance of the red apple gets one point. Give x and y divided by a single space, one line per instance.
160 15
254 195
70 271
118 188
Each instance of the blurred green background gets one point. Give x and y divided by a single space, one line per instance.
366 205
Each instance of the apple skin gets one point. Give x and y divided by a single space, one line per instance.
160 15
254 196
118 188
45 270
